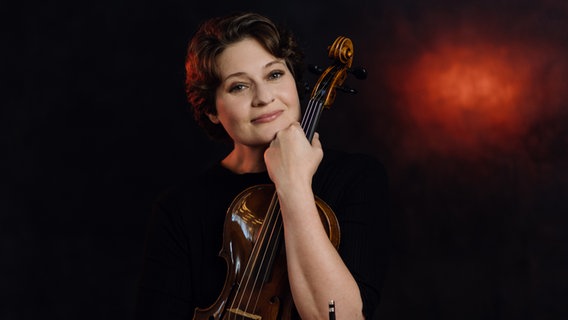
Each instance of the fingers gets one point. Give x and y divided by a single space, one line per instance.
296 128
294 132
316 141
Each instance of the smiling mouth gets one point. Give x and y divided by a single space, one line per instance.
268 117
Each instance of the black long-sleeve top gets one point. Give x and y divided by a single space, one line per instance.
182 269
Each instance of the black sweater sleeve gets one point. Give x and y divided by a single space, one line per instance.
355 186
165 285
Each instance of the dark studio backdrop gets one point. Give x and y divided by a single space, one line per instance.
466 104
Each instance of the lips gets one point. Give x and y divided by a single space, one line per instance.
267 117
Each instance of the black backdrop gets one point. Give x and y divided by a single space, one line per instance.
94 126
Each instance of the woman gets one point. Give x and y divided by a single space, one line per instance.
241 81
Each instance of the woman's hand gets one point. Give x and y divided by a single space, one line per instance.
291 160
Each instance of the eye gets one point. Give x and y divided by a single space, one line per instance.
237 87
276 74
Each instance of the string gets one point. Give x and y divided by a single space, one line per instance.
315 105
252 261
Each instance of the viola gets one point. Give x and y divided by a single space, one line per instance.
256 285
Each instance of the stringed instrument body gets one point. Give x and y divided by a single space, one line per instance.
256 286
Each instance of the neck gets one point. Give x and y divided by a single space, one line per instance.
245 160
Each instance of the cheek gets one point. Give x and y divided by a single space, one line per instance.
228 112
297 112
295 105
293 99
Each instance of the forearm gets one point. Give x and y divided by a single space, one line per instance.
316 271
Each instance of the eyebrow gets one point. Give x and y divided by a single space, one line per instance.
268 65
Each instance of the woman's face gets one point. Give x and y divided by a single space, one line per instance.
257 96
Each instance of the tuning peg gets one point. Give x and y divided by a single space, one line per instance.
359 72
306 87
315 69
346 89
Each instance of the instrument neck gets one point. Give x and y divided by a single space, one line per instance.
311 117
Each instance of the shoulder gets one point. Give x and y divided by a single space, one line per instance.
209 190
342 174
191 190
350 166
342 158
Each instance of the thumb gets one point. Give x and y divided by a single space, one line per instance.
316 143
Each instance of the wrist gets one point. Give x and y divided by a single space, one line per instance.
294 190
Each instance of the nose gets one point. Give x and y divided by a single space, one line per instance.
262 95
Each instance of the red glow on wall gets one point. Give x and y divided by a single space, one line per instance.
465 98
461 98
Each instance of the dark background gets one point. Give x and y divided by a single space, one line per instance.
466 104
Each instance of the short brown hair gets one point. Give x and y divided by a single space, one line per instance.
212 37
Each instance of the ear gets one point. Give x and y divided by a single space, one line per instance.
213 118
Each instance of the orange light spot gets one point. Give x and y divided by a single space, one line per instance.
463 98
